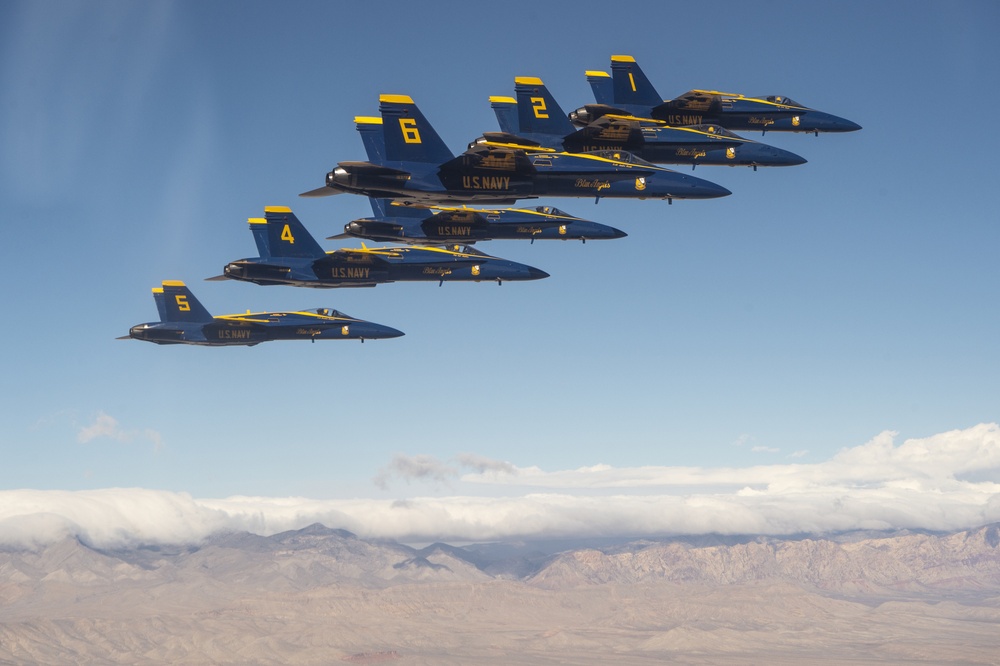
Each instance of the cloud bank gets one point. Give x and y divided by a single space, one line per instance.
106 426
945 482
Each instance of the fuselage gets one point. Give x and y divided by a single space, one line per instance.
772 113
369 267
466 225
252 329
502 179
709 145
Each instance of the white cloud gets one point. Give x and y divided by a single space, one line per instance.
103 426
764 449
424 467
483 464
107 426
921 483
411 468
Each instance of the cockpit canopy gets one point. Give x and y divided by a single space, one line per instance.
467 249
778 99
326 312
551 210
714 130
620 156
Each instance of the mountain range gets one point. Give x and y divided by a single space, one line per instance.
320 596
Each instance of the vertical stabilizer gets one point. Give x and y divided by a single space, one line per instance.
408 135
630 84
600 83
179 304
505 109
280 234
370 129
537 111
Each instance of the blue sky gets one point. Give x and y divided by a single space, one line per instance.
812 310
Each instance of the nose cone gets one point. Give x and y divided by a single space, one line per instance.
682 186
818 121
764 155
592 231
387 332
362 330
503 270
788 158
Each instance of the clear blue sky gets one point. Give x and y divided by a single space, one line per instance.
811 310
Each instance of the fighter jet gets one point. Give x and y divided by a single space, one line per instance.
535 115
290 255
185 321
418 167
628 92
415 223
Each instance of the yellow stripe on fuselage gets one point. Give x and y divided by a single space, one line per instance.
551 152
660 123
324 317
488 211
246 317
453 253
517 146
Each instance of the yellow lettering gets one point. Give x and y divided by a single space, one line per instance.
286 235
632 81
538 106
410 132
182 303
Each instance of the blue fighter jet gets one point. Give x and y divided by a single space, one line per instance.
418 167
290 255
628 92
535 115
185 321
415 223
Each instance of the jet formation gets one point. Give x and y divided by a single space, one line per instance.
536 117
418 167
289 255
420 194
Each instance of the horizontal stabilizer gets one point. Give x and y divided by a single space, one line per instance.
320 192
216 278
